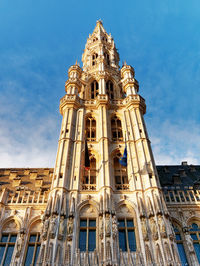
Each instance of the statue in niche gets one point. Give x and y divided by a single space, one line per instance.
52 228
61 228
144 229
114 226
189 242
72 205
101 227
70 225
45 229
20 243
107 225
162 226
154 229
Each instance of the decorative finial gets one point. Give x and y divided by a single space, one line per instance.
99 21
76 62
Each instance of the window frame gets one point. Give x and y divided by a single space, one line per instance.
88 228
7 244
120 172
110 89
92 128
36 244
126 229
87 173
94 89
196 232
116 128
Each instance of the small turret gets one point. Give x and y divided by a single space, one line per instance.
73 84
129 83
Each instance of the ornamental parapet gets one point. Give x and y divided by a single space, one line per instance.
70 101
183 196
72 82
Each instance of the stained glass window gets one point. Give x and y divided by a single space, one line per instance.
87 234
32 249
127 238
7 245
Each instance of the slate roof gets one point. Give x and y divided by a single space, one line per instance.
183 175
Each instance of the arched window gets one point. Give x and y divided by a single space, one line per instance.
126 229
90 128
89 176
87 231
120 174
110 89
181 250
107 58
195 234
7 243
94 89
116 128
94 59
33 245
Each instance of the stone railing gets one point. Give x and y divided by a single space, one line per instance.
27 197
122 186
88 187
182 196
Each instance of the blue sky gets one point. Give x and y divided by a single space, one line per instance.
39 40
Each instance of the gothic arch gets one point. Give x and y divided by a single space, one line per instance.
129 204
193 219
86 203
34 221
14 218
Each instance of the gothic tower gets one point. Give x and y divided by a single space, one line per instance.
109 214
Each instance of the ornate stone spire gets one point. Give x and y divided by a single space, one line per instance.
100 52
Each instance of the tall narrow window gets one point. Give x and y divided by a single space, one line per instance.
91 128
87 234
94 59
120 173
127 239
180 246
33 249
7 245
109 89
89 178
116 128
195 234
94 89
107 58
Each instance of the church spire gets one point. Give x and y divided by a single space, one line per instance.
100 52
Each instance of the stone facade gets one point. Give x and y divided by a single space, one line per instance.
108 214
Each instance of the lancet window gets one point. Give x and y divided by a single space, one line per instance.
120 173
87 234
89 177
127 239
180 246
94 89
94 59
7 245
33 248
91 128
107 58
116 128
195 234
110 89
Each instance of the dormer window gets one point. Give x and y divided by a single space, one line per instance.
94 59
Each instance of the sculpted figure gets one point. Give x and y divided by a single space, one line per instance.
189 241
70 227
144 229
53 227
114 226
107 225
162 226
154 230
20 243
45 229
61 228
101 227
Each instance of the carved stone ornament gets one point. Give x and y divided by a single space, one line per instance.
162 226
52 228
154 229
101 227
70 228
114 226
107 225
45 229
61 228
144 229
20 243
189 242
